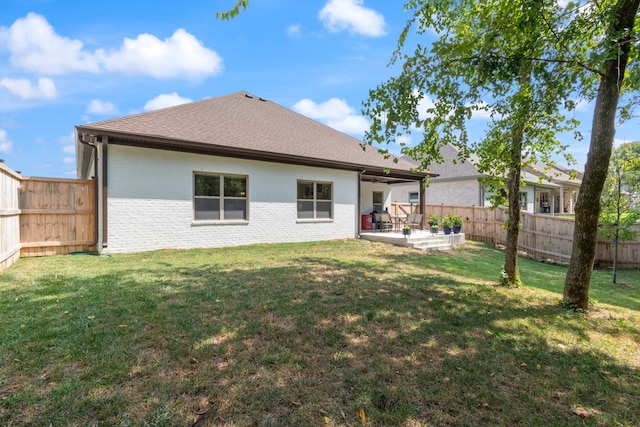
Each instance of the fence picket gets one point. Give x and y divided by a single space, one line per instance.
542 237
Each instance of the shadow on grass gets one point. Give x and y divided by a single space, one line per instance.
221 344
481 261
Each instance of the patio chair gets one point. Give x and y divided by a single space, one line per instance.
414 221
383 220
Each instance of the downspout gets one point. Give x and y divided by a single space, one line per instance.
359 207
97 242
100 173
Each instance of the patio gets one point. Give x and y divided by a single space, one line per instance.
419 239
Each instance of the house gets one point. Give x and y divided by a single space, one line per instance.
232 170
546 190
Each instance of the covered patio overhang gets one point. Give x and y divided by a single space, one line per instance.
375 195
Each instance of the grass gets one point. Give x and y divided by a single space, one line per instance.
337 333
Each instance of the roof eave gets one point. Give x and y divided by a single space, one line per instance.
149 141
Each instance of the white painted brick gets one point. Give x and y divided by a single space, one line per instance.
150 202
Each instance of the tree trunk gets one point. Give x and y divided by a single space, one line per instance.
513 222
587 211
512 277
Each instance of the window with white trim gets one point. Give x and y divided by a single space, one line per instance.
378 201
315 200
220 197
414 197
523 200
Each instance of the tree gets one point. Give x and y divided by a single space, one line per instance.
490 56
611 54
619 212
588 46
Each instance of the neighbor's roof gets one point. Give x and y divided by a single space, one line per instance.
454 169
243 125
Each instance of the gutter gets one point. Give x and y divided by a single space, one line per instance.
92 142
162 143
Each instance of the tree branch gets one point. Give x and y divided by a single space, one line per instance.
563 47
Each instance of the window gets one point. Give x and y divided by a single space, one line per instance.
414 197
523 200
315 200
220 197
378 203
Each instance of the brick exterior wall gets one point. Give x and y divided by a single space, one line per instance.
462 192
150 202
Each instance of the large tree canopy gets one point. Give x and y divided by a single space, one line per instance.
519 61
612 50
499 57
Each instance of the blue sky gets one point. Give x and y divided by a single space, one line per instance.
65 63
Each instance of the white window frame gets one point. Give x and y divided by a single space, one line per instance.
378 205
523 200
222 198
315 201
417 199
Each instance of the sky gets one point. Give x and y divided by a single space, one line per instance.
70 62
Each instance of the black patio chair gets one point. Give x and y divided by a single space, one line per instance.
383 220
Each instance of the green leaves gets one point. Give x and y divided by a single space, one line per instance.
234 11
620 210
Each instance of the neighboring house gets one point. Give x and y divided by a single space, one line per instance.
232 170
458 184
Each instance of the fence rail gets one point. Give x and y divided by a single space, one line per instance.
542 237
44 216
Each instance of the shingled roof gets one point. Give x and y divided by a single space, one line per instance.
247 126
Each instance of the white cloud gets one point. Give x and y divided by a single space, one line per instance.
68 143
355 125
181 55
102 108
294 30
34 46
68 160
403 140
165 100
5 142
425 103
351 15
335 113
584 105
483 111
24 89
617 142
332 109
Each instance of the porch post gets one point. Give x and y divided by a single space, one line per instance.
561 209
422 202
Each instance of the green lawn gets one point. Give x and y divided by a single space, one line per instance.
313 334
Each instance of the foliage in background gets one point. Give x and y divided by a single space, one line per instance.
498 58
619 206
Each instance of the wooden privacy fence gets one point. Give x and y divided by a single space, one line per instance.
9 217
542 237
57 216
44 216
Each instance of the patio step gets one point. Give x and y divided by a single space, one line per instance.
422 241
430 244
